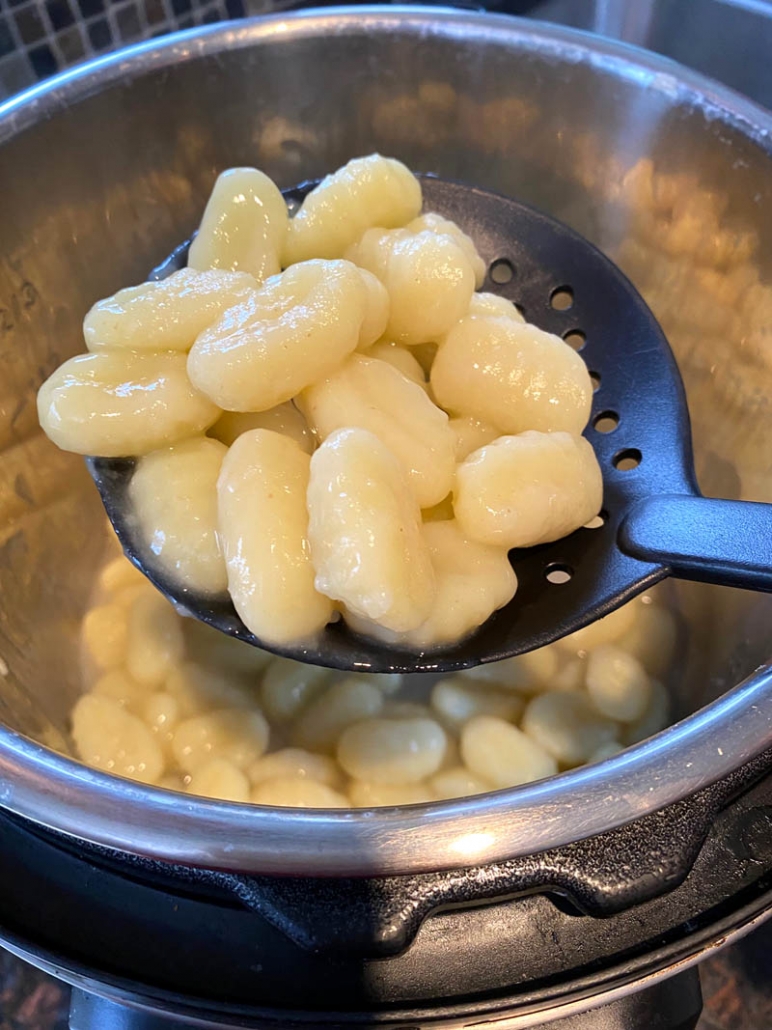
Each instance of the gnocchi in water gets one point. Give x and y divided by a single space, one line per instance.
331 421
172 703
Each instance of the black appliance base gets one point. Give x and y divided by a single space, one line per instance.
672 1004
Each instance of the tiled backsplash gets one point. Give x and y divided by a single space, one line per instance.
41 37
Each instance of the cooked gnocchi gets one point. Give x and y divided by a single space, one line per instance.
284 337
530 489
170 702
513 375
364 532
331 423
263 530
166 315
472 580
428 276
120 402
367 192
244 227
371 394
174 494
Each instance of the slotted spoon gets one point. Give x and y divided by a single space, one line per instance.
654 521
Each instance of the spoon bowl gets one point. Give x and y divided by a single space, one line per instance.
654 521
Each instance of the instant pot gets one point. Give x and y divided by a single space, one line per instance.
583 901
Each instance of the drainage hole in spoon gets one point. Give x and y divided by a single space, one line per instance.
562 298
501 271
606 422
627 460
575 338
558 573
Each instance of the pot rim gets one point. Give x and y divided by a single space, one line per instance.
63 795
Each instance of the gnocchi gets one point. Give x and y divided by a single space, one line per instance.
217 718
513 375
428 276
104 636
118 403
284 418
530 489
220 779
294 792
291 452
373 395
367 192
166 315
364 532
121 687
392 751
473 580
244 226
345 703
264 532
295 762
376 311
110 738
444 227
284 337
154 639
197 689
288 686
174 495
401 358
618 684
503 755
238 736
471 434
568 726
456 701
492 304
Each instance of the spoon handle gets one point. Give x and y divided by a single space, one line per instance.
725 542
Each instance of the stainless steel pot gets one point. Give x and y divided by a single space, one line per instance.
688 35
106 168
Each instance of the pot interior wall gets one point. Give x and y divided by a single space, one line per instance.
96 194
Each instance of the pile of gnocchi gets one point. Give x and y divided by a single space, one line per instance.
170 702
330 421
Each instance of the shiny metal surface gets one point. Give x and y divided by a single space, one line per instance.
105 169
688 33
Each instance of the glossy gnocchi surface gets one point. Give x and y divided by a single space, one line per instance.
166 315
520 491
174 494
367 192
429 278
244 227
364 532
117 403
371 394
263 529
513 375
333 422
284 337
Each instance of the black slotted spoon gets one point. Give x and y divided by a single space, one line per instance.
654 521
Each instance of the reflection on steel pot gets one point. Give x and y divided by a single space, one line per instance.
743 26
522 905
